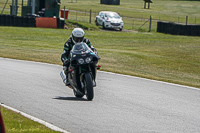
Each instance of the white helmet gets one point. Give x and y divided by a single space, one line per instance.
77 35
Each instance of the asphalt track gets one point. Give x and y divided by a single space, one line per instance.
121 104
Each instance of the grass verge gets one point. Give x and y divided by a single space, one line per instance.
87 26
16 123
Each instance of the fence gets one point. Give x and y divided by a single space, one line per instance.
5 6
130 23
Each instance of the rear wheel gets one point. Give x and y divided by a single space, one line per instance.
88 86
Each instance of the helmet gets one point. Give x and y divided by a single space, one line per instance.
77 35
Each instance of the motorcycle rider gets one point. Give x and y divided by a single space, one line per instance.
77 36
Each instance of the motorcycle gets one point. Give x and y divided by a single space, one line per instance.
82 70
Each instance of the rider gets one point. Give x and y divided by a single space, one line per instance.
77 36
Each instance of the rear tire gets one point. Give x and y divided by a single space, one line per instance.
88 86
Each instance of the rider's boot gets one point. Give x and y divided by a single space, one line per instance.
94 83
67 82
66 74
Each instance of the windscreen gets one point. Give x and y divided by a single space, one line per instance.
80 48
112 15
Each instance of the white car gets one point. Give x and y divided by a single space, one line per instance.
108 19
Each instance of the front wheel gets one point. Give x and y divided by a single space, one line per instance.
103 25
96 23
88 86
77 94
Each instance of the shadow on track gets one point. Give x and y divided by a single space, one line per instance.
70 98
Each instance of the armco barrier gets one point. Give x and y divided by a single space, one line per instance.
178 29
8 20
25 21
60 23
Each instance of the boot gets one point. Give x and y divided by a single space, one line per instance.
67 82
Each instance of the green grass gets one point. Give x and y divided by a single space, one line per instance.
72 24
16 123
152 55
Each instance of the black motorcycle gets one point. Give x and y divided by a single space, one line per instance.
82 70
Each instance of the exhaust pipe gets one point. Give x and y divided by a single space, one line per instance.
62 74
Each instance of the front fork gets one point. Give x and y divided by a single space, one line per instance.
92 72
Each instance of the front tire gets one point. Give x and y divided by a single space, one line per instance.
103 26
96 23
88 86
77 94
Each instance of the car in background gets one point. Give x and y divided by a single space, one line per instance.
110 20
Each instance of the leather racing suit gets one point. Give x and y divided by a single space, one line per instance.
68 47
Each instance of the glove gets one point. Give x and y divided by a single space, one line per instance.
93 49
66 62
96 53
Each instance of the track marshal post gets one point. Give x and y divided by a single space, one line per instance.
147 1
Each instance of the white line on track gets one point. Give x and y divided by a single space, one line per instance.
151 80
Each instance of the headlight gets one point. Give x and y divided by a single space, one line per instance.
87 60
80 61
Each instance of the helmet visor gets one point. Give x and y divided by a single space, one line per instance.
78 39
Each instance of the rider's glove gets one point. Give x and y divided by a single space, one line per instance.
96 53
66 62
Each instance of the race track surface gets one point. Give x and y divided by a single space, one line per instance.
121 104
